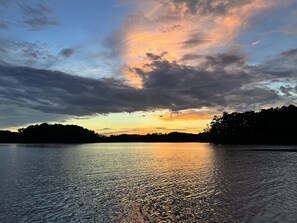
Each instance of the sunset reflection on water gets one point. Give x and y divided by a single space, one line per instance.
147 182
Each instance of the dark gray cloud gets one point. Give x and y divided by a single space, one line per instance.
210 84
187 57
206 7
60 93
289 53
153 57
288 90
284 64
12 115
194 40
253 99
222 60
166 85
67 52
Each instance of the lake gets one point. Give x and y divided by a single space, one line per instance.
147 182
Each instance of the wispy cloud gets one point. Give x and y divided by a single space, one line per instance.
3 25
143 131
26 53
255 43
32 14
179 28
184 116
37 16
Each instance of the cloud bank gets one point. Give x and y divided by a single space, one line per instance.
220 82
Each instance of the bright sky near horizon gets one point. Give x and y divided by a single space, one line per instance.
140 66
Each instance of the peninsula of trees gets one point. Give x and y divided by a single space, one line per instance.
46 133
268 126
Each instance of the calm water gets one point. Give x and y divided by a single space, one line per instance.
143 182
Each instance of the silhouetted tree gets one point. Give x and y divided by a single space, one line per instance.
158 137
8 136
269 126
57 133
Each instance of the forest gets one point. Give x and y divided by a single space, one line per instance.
268 126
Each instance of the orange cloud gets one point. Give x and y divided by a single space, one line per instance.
184 117
165 26
150 130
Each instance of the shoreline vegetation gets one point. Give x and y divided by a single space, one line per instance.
58 133
268 126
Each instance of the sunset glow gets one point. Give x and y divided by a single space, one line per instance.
144 66
173 31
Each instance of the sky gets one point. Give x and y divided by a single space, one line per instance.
144 66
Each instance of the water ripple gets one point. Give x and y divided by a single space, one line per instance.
147 183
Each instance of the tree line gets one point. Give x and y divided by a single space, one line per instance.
58 133
268 126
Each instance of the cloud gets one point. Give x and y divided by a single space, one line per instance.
187 57
25 53
255 43
195 40
180 28
4 25
283 64
59 93
215 82
290 53
220 82
254 99
215 7
67 52
144 131
184 116
37 16
32 14
288 91
13 115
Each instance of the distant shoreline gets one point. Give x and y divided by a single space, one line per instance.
71 134
273 126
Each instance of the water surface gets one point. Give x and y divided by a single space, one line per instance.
147 182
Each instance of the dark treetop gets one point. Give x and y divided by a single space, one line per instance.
45 133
